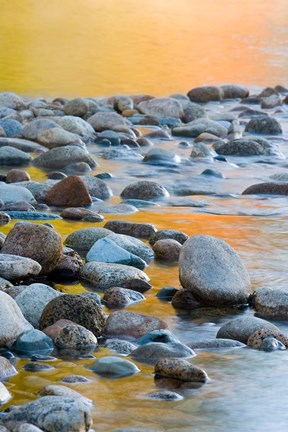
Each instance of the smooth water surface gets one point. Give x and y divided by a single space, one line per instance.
108 47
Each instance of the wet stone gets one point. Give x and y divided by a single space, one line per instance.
264 125
33 342
74 379
167 250
179 236
166 293
256 339
114 367
120 346
117 298
144 190
139 230
165 396
36 367
270 344
179 369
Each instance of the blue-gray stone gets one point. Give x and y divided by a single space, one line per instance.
163 336
114 367
140 203
153 351
105 250
12 128
12 156
166 293
32 215
4 112
33 342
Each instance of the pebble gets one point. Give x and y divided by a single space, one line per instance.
14 267
179 369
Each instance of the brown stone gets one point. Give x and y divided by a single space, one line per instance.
138 230
79 213
267 188
17 175
38 242
54 330
179 369
132 324
69 192
257 338
167 250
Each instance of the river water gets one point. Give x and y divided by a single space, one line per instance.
97 48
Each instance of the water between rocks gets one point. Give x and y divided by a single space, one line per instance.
247 387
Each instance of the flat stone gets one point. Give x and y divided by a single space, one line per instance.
54 413
226 281
79 309
207 344
179 369
61 390
61 157
165 396
16 175
58 137
267 189
131 324
242 328
38 242
69 192
14 267
120 346
13 156
106 275
114 367
139 230
153 351
199 126
232 91
81 213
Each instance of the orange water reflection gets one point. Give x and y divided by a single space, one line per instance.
103 47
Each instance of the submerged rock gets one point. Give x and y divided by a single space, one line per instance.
114 367
131 324
117 297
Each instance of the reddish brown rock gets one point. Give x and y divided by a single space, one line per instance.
69 192
54 330
132 324
38 242
81 213
167 250
267 188
17 175
257 338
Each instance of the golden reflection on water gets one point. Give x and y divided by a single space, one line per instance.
105 47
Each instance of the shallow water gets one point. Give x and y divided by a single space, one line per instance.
246 388
97 48
108 47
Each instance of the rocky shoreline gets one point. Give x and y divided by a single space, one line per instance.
68 140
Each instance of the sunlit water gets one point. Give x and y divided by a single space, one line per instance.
107 47
95 48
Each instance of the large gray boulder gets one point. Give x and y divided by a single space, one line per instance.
13 323
213 271
242 328
60 157
52 413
